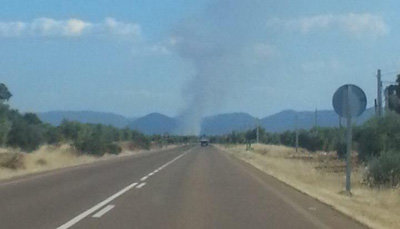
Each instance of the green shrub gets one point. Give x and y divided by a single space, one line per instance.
370 143
25 136
310 140
378 135
288 138
91 144
341 150
385 169
270 138
53 135
5 127
113 148
96 139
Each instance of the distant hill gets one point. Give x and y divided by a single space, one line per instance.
154 123
56 117
285 120
157 123
226 123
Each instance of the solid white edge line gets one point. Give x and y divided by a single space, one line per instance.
95 208
141 185
103 211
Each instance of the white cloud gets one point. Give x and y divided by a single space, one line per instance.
11 29
164 47
76 27
44 26
49 27
354 24
121 28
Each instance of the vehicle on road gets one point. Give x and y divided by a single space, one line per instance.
204 141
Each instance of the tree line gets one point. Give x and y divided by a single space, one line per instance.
377 143
27 132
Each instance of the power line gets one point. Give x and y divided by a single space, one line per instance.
389 82
387 73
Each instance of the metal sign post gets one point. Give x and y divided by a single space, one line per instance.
349 101
348 140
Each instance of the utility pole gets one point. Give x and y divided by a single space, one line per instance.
258 130
316 118
386 92
379 90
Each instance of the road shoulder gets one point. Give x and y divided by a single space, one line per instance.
307 205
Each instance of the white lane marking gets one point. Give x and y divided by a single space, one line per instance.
144 178
150 174
141 185
95 208
103 211
170 162
108 200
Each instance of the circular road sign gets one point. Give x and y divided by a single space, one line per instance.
350 100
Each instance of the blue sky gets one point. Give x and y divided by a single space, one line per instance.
136 57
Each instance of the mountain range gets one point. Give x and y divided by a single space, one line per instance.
156 123
56 117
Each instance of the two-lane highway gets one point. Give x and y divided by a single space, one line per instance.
197 187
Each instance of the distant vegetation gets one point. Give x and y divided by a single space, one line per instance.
56 117
320 138
27 132
377 142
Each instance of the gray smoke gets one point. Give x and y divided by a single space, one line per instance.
222 44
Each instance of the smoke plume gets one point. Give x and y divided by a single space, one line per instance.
222 44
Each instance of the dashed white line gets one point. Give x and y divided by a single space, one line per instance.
144 178
103 211
95 208
141 185
90 211
170 162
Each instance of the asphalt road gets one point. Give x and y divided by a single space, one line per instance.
197 187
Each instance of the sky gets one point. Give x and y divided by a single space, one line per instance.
202 57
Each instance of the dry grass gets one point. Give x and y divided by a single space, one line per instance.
14 163
321 176
43 159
